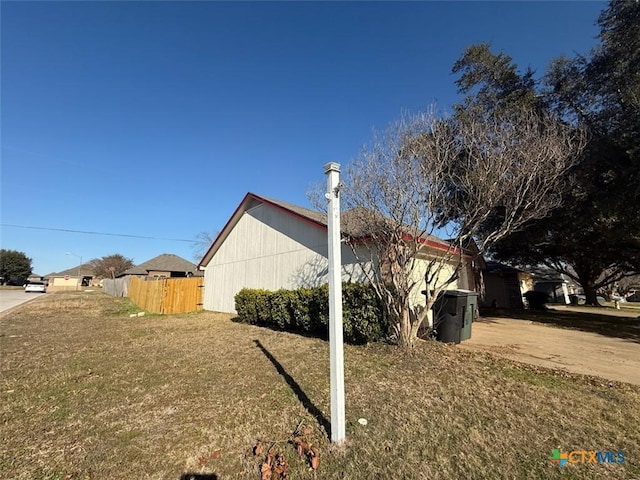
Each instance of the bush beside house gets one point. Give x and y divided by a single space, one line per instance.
306 310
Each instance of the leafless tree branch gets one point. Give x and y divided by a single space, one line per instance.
427 176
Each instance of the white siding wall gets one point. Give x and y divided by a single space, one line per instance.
269 249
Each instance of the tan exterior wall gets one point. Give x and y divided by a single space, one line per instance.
464 282
57 284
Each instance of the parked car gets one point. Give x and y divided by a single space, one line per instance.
35 287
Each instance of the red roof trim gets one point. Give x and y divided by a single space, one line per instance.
253 196
438 246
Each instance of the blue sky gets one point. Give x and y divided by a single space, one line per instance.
154 119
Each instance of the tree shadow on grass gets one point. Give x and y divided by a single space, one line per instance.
304 399
627 328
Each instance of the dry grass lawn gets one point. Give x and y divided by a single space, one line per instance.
88 393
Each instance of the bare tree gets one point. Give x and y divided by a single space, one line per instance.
201 244
473 179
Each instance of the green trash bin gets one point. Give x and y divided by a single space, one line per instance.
453 313
470 314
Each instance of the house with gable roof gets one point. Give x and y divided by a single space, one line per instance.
270 244
166 265
71 279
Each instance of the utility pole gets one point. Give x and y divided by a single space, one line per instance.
336 347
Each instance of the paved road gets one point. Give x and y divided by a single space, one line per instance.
571 350
12 298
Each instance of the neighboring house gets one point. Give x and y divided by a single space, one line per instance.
555 284
166 265
71 279
269 244
34 277
504 286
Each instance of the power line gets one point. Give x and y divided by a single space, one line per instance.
98 233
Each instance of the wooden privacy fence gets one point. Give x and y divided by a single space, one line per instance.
167 295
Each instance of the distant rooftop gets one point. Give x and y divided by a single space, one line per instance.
166 262
85 271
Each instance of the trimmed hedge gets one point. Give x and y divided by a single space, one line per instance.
306 310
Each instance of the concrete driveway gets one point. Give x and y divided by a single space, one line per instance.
10 299
558 348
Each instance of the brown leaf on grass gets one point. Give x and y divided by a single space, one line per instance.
313 454
213 455
280 475
280 467
307 430
281 460
265 471
258 449
301 445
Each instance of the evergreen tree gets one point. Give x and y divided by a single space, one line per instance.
15 267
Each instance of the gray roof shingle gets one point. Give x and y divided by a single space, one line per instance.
166 262
86 270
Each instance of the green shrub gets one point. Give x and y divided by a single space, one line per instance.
301 310
280 303
319 309
306 310
263 307
245 306
362 314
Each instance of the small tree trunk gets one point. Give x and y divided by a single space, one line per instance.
404 337
415 327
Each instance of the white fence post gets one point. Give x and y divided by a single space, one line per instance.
332 170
